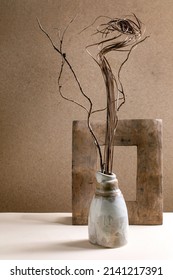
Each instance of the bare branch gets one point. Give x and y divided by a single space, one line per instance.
131 30
123 63
104 109
93 23
117 35
65 60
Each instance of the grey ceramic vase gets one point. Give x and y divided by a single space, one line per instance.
108 217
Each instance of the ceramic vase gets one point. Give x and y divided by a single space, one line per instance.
108 217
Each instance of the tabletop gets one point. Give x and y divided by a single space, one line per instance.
52 236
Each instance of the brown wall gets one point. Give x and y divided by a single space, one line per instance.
35 123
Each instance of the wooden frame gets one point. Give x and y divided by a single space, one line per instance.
147 136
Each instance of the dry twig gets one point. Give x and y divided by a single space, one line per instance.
121 35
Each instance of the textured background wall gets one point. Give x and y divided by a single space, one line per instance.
35 132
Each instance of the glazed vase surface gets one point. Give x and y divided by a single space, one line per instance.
108 217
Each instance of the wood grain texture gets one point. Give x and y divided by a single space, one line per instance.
146 134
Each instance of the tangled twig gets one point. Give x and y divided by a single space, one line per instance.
121 35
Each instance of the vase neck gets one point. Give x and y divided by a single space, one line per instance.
107 185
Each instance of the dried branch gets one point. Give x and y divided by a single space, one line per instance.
121 66
117 35
126 33
65 60
103 109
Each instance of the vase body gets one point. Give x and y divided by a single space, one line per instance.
108 217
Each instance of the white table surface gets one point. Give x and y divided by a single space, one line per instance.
51 236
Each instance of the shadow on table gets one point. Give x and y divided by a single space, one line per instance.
50 249
69 246
64 220
47 218
80 244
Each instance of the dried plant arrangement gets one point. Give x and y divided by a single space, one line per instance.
113 35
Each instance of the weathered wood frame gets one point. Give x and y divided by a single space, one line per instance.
146 134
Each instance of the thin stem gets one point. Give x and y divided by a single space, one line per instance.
121 66
127 35
65 60
114 87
